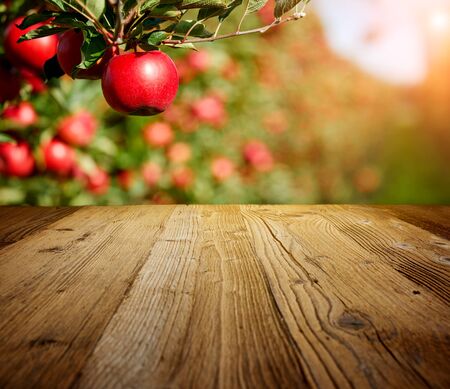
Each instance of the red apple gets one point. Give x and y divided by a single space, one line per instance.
222 168
9 83
151 172
33 79
258 155
140 83
31 54
158 134
58 157
69 56
16 159
210 110
22 114
78 129
125 178
179 152
97 181
182 177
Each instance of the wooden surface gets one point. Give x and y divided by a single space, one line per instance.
225 297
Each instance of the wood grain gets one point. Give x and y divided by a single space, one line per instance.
225 296
435 219
62 286
19 222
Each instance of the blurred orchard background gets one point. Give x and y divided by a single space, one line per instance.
348 105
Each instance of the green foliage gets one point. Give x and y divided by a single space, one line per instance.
40 32
95 7
283 6
255 5
190 27
94 46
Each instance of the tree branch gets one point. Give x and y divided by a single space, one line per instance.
261 30
89 16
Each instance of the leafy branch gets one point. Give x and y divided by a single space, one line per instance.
215 37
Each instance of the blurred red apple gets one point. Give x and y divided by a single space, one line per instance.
266 14
158 134
231 70
125 178
97 181
33 79
31 54
181 116
22 114
179 152
151 172
258 155
199 61
16 159
222 168
58 157
182 177
78 129
367 179
210 110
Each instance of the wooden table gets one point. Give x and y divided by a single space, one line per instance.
225 296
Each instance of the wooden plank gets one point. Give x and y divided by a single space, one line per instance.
358 322
19 222
60 287
226 296
415 253
435 219
199 315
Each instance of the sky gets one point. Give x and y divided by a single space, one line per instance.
389 39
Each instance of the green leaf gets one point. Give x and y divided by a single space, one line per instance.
207 13
184 26
72 20
166 11
150 23
185 46
156 37
255 5
96 7
59 3
148 5
6 138
41 32
187 4
92 49
283 6
230 8
32 19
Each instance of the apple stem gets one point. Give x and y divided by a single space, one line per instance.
120 25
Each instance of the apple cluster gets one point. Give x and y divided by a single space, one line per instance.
135 83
